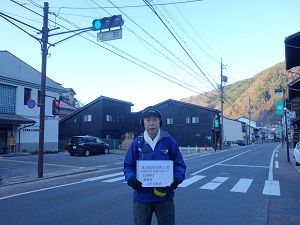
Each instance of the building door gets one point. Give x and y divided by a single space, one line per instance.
3 137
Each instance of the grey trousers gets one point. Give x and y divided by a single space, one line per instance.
164 211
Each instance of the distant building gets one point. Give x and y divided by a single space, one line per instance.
189 124
234 131
19 124
107 118
254 130
104 117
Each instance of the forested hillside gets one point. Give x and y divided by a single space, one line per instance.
237 95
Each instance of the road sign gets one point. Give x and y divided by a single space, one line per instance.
279 107
109 35
31 103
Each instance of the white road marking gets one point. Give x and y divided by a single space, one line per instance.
109 169
276 155
212 185
202 155
276 165
271 187
242 185
101 166
119 163
243 165
199 171
190 180
114 179
103 177
270 177
38 190
48 164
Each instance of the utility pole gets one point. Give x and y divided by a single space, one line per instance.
105 23
223 79
286 128
44 42
249 116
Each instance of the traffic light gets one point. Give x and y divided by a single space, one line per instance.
107 22
216 122
55 107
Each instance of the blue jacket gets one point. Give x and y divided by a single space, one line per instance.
165 149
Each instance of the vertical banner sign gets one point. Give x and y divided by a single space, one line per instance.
279 107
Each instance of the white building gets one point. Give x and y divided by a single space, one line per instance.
19 124
234 130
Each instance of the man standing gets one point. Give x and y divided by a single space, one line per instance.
153 144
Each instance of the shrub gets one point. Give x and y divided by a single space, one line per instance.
127 140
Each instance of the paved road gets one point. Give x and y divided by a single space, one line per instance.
21 168
239 186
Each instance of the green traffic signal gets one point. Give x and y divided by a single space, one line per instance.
96 24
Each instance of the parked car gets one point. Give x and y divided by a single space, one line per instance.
297 153
87 145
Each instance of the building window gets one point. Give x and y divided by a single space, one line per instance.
187 120
87 118
75 120
195 119
27 95
169 120
109 118
7 99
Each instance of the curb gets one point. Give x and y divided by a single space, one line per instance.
46 177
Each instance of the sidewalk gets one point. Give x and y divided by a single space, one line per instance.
16 168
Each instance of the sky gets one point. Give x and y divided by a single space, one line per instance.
152 63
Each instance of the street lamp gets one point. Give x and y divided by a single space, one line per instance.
286 136
280 110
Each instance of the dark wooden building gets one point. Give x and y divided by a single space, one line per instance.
104 117
189 124
107 118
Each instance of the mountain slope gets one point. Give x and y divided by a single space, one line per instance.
237 95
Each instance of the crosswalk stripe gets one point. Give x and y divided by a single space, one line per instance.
114 179
242 185
276 165
190 181
271 187
212 185
103 177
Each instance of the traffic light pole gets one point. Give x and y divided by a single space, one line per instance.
114 21
44 41
222 108
286 129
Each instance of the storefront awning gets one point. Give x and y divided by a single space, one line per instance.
292 51
14 119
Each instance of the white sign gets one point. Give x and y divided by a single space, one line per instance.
155 173
109 35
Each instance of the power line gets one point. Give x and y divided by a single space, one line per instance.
184 85
173 19
154 11
131 6
172 54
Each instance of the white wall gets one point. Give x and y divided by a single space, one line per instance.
232 130
22 75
